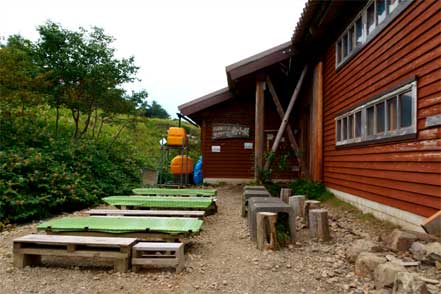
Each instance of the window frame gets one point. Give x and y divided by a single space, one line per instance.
386 134
367 37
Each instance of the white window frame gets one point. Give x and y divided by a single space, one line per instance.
367 37
398 132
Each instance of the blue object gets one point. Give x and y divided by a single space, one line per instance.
197 173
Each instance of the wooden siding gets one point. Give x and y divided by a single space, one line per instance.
234 161
405 175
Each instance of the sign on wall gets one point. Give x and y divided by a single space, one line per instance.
215 148
228 131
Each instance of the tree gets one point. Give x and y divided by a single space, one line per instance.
156 110
85 73
22 81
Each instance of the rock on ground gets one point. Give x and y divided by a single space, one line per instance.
359 246
385 274
409 283
366 263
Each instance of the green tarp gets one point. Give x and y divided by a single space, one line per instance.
175 192
160 202
119 225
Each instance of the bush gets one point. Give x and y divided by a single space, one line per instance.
312 190
41 176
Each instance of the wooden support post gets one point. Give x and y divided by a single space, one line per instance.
297 202
309 205
259 128
318 226
432 225
291 137
286 117
285 193
266 231
316 160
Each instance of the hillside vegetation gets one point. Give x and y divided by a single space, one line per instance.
69 133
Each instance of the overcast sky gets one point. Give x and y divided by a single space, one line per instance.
182 46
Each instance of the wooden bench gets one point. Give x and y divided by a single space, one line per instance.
28 250
120 212
158 254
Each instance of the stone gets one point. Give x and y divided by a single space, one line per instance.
399 240
358 246
433 251
409 283
384 274
366 263
418 251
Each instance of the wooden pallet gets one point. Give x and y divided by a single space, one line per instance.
120 212
28 250
158 254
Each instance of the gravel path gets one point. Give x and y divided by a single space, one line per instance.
221 259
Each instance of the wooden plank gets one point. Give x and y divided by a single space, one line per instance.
404 176
287 115
139 235
114 212
77 253
259 127
65 240
157 246
432 225
420 167
289 131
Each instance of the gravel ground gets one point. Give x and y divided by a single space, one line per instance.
221 259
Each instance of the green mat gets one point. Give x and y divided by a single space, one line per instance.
160 202
119 225
175 192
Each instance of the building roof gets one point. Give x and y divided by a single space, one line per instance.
258 61
205 101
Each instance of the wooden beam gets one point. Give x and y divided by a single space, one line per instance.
286 116
316 144
291 137
259 128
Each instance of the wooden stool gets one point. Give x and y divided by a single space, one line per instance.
266 231
158 254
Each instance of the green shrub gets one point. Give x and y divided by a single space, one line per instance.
313 190
41 175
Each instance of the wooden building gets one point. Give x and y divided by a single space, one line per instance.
367 119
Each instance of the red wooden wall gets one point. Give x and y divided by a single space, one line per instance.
234 161
405 175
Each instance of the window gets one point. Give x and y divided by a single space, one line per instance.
371 20
390 115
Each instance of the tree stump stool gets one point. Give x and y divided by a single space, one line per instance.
285 193
310 204
318 224
266 235
297 202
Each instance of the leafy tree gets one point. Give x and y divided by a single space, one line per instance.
83 69
21 80
156 110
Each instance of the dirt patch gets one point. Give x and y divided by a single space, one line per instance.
221 259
